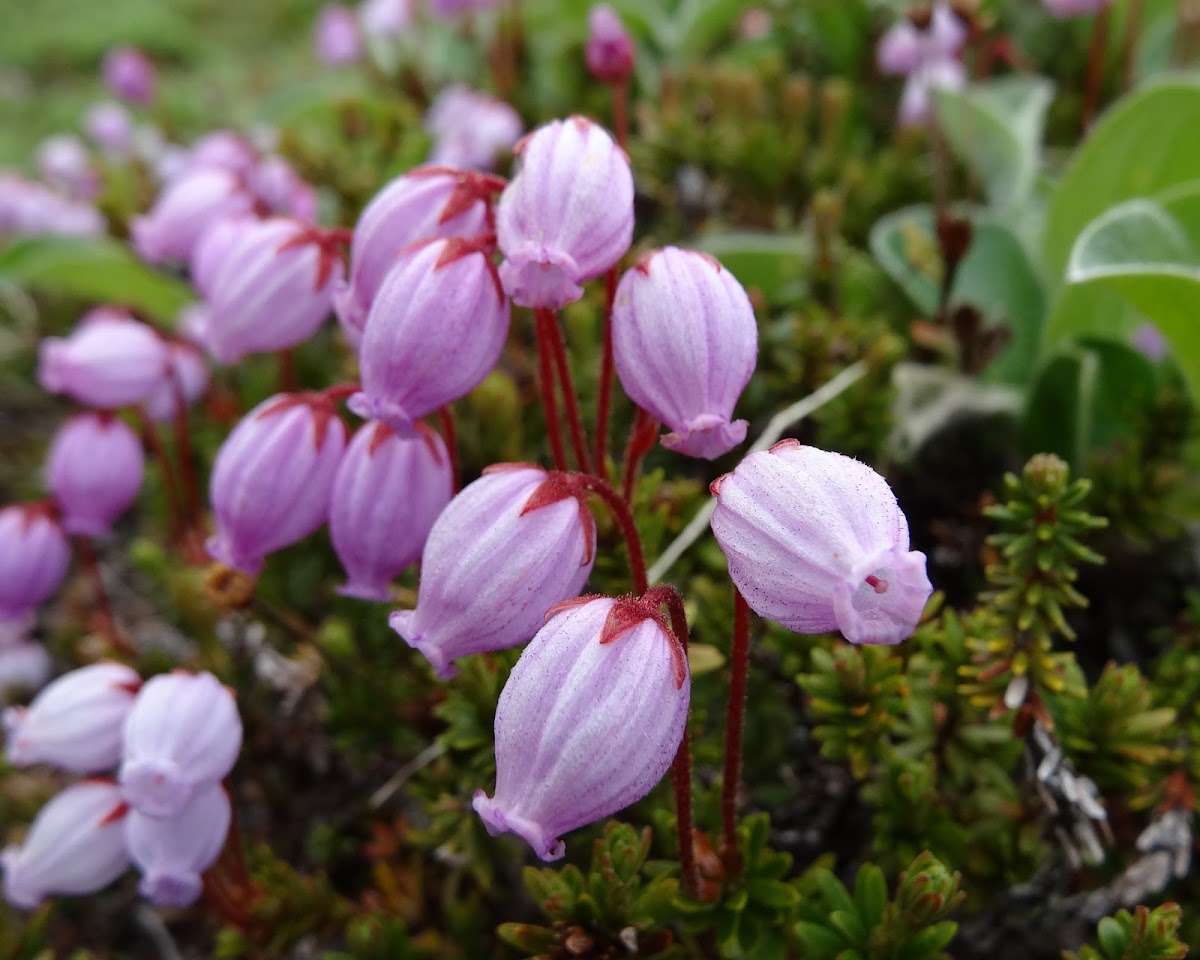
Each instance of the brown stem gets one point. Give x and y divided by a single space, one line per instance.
102 614
450 436
1133 26
730 855
287 370
546 378
624 518
621 113
570 401
176 522
183 451
1095 70
642 435
604 399
681 767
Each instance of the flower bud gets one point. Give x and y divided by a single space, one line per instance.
212 247
111 127
293 440
24 667
185 208
907 47
589 720
336 37
64 164
130 75
609 51
386 496
272 288
816 542
94 470
435 330
685 343
75 845
916 102
508 547
471 128
186 380
384 19
222 150
75 723
172 852
182 735
108 361
567 216
34 555
280 190
423 203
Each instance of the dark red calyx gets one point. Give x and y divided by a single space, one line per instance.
784 445
382 433
471 187
429 437
116 813
484 244
715 487
643 262
330 246
560 486
628 612
45 509
320 404
509 467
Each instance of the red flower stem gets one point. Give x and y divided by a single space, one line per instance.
624 517
604 401
635 449
621 113
681 767
730 855
340 391
1095 69
546 377
287 370
183 451
176 521
102 609
450 435
570 402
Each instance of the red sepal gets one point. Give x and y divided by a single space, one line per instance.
113 815
322 407
784 445
329 244
559 486
628 612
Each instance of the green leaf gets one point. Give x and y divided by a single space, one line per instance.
770 262
772 893
1112 937
819 941
1086 397
871 894
1141 252
1143 145
93 268
996 129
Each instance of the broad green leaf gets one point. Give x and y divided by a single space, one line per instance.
1142 253
93 268
1143 145
770 262
996 129
1086 397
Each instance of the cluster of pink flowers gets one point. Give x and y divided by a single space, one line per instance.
171 740
596 709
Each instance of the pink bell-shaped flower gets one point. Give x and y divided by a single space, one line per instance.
423 203
685 343
916 102
336 36
222 150
212 247
187 206
272 289
182 735
130 75
568 214
63 162
75 845
110 127
471 128
435 330
906 46
34 556
279 189
108 361
609 50
816 541
94 470
511 545
172 852
589 720
185 383
388 492
24 667
76 722
273 476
